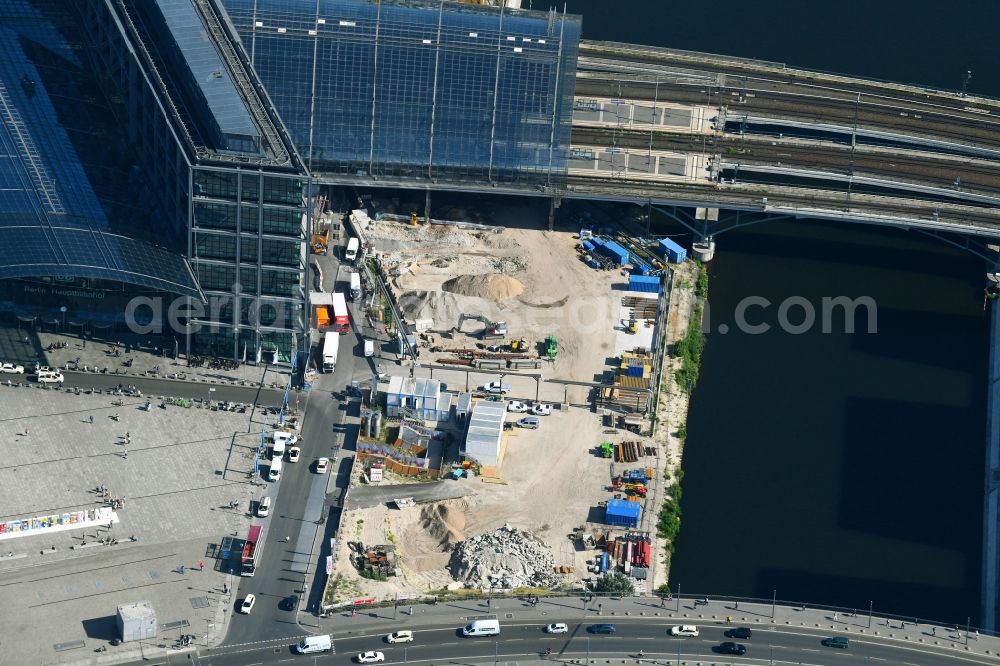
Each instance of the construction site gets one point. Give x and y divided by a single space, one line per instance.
570 500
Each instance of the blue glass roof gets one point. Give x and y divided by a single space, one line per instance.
417 89
210 75
53 221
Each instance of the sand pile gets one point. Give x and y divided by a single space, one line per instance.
495 287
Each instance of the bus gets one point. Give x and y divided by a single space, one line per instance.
251 552
341 323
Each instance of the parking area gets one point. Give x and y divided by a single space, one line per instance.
170 476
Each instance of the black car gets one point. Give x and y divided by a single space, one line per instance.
732 648
601 628
289 603
739 632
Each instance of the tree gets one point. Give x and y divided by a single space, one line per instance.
615 583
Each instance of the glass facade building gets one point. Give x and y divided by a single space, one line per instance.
168 148
417 92
228 174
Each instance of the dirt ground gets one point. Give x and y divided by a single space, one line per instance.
531 278
552 480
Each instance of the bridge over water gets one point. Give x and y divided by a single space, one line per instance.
681 128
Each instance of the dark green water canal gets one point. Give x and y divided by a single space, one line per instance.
836 468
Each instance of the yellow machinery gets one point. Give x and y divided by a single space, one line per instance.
633 326
320 241
519 345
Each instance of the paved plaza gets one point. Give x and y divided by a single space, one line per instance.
174 473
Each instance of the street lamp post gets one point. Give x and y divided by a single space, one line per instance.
774 601
678 597
871 606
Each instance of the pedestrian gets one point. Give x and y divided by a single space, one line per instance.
91 419
125 455
111 524
181 569
834 617
287 539
933 631
201 565
25 431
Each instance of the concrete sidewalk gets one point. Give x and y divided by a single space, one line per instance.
687 611
148 356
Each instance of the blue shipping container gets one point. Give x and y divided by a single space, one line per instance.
617 252
622 513
588 246
605 562
649 284
633 371
672 251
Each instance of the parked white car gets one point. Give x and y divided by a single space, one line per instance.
684 630
247 604
400 637
322 464
12 368
556 628
495 387
294 453
541 409
517 407
370 657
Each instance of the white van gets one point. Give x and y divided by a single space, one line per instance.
369 348
49 377
352 250
264 506
281 439
355 286
482 628
274 472
311 644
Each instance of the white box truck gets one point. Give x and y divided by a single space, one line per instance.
352 250
355 286
331 345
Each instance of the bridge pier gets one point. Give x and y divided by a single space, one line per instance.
427 207
991 491
554 204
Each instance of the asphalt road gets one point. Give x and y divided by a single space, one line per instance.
525 641
369 496
303 507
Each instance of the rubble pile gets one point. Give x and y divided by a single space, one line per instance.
504 558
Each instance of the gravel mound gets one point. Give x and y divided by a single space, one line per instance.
495 287
506 558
